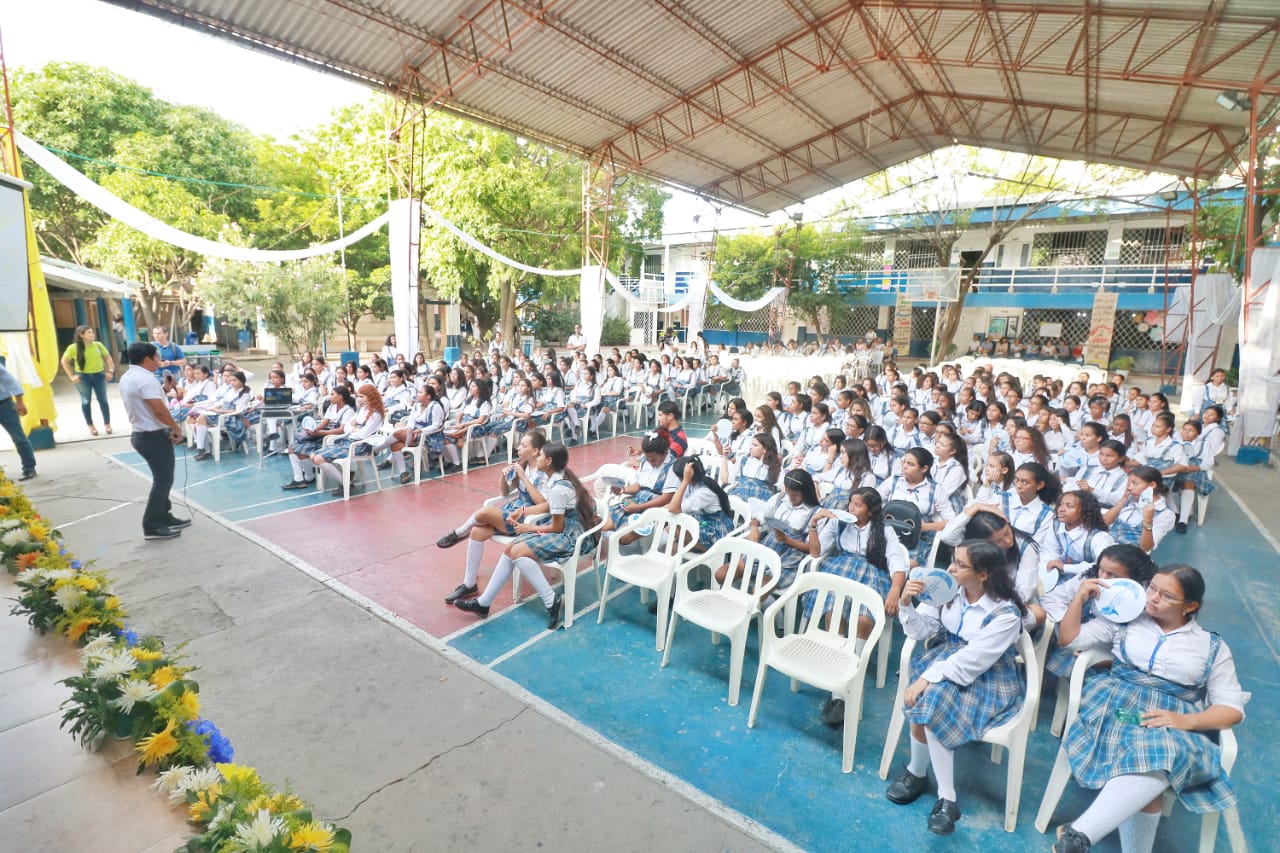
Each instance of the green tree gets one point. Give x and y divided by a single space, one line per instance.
1223 222
85 110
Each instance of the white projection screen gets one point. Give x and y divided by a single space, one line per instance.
14 288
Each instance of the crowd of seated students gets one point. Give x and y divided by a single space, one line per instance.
1067 486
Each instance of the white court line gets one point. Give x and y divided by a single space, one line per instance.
736 819
96 514
218 477
1248 513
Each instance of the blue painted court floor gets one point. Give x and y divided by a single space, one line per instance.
785 773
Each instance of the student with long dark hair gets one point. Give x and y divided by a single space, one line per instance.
1141 723
915 484
791 510
572 511
1142 518
701 497
93 369
966 684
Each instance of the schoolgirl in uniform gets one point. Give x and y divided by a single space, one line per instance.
653 486
1141 722
1029 504
1021 552
767 422
796 418
915 485
1079 535
1108 481
1081 459
229 405
427 417
1058 435
1215 393
951 468
819 457
903 435
878 453
1120 429
1163 451
739 429
1142 518
701 497
475 413
572 512
852 470
758 470
973 426
341 411
964 685
399 395
612 390
368 419
1115 561
522 485
791 509
584 397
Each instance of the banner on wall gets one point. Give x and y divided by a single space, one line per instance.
1102 327
902 324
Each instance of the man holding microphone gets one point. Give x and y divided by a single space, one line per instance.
155 432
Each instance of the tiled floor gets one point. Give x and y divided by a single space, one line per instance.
47 772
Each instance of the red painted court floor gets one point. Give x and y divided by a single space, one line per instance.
383 544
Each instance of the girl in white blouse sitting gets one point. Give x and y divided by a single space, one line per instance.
782 524
1142 517
1140 724
964 685
915 485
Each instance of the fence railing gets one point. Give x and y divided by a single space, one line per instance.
1118 276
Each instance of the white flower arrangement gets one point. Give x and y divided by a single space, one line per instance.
16 536
115 665
68 597
10 524
259 833
96 648
172 782
133 691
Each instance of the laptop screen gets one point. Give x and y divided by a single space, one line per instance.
277 396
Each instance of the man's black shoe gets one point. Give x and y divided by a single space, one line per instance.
175 523
161 533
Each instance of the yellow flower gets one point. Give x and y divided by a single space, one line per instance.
78 628
86 583
282 803
163 677
312 836
7 489
202 810
262 802
37 530
141 654
112 602
239 775
190 703
158 746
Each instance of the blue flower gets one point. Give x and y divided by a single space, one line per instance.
220 750
75 564
131 638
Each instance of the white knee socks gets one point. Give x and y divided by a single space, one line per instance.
919 763
466 526
944 767
331 471
490 444
202 436
397 462
451 454
303 469
1138 833
1188 500
532 572
501 572
1121 798
475 553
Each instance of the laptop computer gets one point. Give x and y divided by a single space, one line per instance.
277 396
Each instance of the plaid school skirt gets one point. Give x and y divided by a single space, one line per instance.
790 556
854 567
750 487
958 715
838 499
1200 479
921 552
712 527
1126 534
183 412
232 425
435 443
620 515
338 450
514 501
1102 747
554 547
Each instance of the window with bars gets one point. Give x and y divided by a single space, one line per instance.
915 255
1150 246
861 319
871 255
922 322
1073 322
1069 248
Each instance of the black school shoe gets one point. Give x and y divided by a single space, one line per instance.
553 613
29 474
472 605
907 787
161 533
1071 840
833 712
462 591
297 484
1180 527
175 523
942 820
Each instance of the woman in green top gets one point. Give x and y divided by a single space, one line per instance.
89 366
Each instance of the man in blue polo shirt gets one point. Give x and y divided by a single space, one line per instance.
11 411
171 356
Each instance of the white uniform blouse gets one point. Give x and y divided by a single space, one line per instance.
984 646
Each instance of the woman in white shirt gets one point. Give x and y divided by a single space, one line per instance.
612 390
951 467
228 405
340 412
1108 481
1140 724
398 397
1142 518
966 684
584 398
390 349
475 413
784 520
915 484
1200 450
701 497
1080 534
757 470
851 471
426 418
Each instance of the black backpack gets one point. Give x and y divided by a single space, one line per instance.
905 518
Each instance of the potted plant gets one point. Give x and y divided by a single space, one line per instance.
1122 365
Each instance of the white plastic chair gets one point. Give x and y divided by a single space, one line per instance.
820 656
349 463
1061 773
568 567
674 535
741 515
1012 735
1042 655
728 606
418 453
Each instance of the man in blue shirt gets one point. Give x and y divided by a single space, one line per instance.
171 356
11 411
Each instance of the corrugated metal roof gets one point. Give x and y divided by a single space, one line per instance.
767 102
64 275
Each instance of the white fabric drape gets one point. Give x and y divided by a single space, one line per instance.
1217 304
1259 352
405 234
591 306
738 304
120 209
